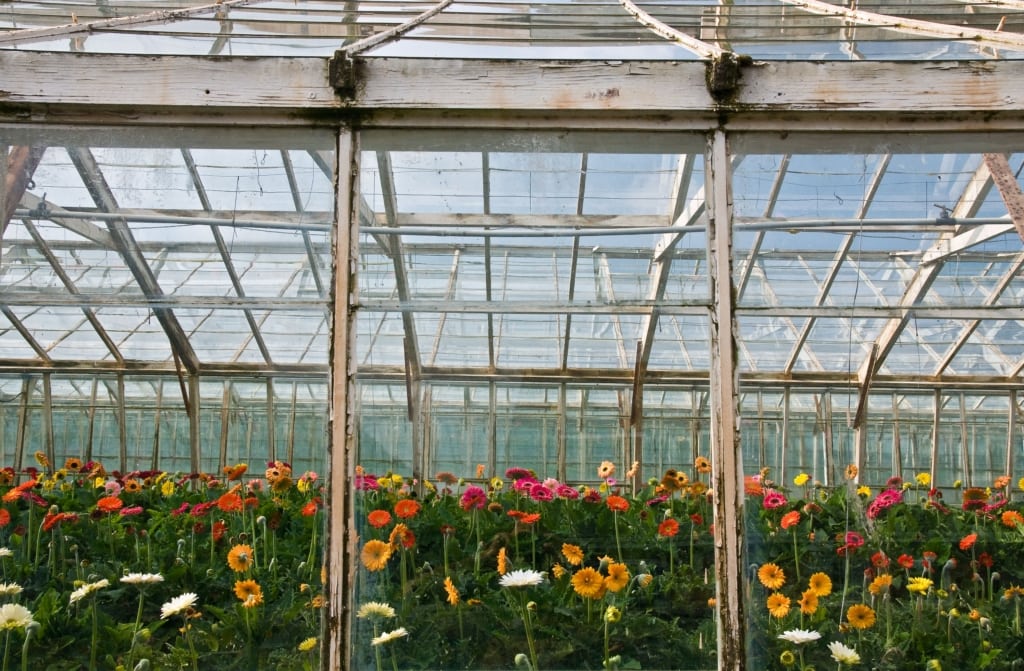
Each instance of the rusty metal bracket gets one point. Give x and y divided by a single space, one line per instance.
342 74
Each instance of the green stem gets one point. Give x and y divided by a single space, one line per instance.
191 646
95 635
529 632
618 548
7 647
135 630
376 648
796 557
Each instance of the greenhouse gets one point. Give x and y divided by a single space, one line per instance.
482 334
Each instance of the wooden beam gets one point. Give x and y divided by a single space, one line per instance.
1009 189
21 164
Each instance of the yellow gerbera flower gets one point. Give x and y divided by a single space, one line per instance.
801 479
588 583
860 616
771 576
572 553
778 605
557 570
240 558
919 585
880 584
618 577
821 584
308 644
375 555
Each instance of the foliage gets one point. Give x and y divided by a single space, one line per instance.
106 562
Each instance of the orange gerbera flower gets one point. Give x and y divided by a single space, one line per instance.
375 555
109 504
617 578
880 584
778 605
453 594
249 592
502 561
967 541
860 616
240 558
230 502
235 472
402 535
379 518
73 464
702 465
668 528
821 584
572 553
617 503
792 518
588 583
1009 518
5 517
771 576
132 486
808 602
407 508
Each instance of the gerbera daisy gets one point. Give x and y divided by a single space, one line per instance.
240 558
558 571
572 553
379 518
617 578
230 502
851 472
905 560
87 589
778 605
142 578
790 519
453 594
132 486
308 644
771 576
606 470
801 479
967 541
10 589
799 636
178 604
109 504
375 555
773 499
249 592
73 464
702 465
375 609
880 584
389 636
860 616
668 528
821 584
14 616
407 508
502 561
446 477
919 585
617 503
1011 518
808 602
521 578
402 535
588 583
843 654
669 482
235 472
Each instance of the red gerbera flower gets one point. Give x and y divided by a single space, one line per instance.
668 528
967 541
617 503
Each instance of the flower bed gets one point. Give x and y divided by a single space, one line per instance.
519 571
151 570
896 577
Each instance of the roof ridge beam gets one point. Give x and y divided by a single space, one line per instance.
910 26
161 15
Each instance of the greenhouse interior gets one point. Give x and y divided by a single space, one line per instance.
483 334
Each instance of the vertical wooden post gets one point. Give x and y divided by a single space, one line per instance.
341 537
48 423
725 437
195 454
1011 436
122 425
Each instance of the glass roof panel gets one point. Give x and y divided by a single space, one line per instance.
591 29
137 335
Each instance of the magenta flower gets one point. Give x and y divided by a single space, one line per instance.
773 499
539 492
567 492
473 497
131 510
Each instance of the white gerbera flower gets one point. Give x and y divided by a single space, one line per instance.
799 636
14 616
10 589
521 578
87 589
5 552
375 609
843 654
389 636
178 604
142 578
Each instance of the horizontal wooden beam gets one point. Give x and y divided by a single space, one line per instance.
554 87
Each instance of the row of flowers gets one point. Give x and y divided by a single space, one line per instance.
109 570
534 573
